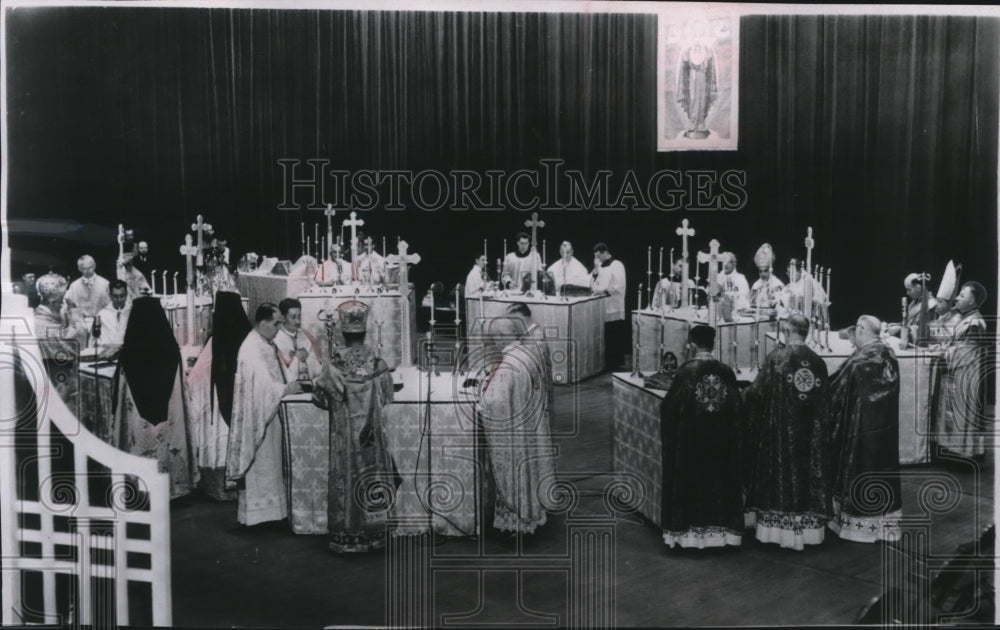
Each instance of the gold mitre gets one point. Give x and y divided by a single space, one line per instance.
949 280
50 284
353 316
764 257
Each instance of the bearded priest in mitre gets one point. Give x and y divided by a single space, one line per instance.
355 387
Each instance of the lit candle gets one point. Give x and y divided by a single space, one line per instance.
504 248
671 260
302 227
315 232
661 262
639 305
649 260
484 250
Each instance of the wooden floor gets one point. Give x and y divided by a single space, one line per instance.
227 575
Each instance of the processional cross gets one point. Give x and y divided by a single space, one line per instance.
200 227
189 251
712 258
534 223
354 223
403 259
684 232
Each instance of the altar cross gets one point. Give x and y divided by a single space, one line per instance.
684 232
810 243
712 258
534 223
354 223
200 227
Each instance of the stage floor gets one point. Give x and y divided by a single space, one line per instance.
225 574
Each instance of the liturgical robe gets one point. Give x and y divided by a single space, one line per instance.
864 409
962 426
255 444
515 416
362 477
786 446
701 504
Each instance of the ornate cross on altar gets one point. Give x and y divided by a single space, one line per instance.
712 258
354 223
534 223
684 232
189 251
200 227
121 241
403 259
810 243
330 213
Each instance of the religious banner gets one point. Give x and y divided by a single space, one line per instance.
697 78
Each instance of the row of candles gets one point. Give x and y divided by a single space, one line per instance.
166 276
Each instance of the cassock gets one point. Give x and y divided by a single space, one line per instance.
766 294
474 281
736 287
371 268
864 409
113 324
961 423
785 449
149 417
515 416
571 273
255 445
89 295
701 504
288 346
362 474
210 394
611 278
516 265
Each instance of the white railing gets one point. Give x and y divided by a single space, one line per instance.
84 527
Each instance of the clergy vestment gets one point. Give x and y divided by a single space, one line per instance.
569 273
475 282
515 419
61 336
361 469
371 268
668 292
113 324
255 444
333 272
736 287
786 448
701 504
611 279
517 265
766 294
210 394
150 415
89 295
864 410
288 346
961 423
135 280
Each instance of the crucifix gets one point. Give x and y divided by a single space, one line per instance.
534 223
189 251
200 227
404 259
712 258
684 232
121 241
810 243
330 213
354 223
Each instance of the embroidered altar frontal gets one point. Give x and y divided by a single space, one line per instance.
432 444
574 330
637 444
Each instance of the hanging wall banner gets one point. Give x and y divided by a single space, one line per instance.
698 81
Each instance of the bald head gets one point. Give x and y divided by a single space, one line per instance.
797 326
867 329
503 330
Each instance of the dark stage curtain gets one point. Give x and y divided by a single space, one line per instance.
879 132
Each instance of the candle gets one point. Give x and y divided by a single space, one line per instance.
504 248
302 227
661 262
828 271
671 260
175 281
458 306
649 260
152 277
543 252
484 250
308 247
639 305
383 247
316 233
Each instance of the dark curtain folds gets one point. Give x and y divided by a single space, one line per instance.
879 132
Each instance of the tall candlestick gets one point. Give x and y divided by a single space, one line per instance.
175 281
316 233
671 260
383 247
152 277
504 248
308 247
639 305
458 310
543 252
302 227
661 262
484 250
828 272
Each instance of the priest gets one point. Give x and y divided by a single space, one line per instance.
701 504
568 271
89 292
334 270
61 336
300 353
962 425
915 290
766 291
254 458
132 277
114 319
356 387
864 410
371 264
518 433
609 281
668 290
785 444
521 262
733 283
475 281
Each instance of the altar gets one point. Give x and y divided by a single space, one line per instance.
96 391
670 328
390 334
573 326
430 431
917 374
259 288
